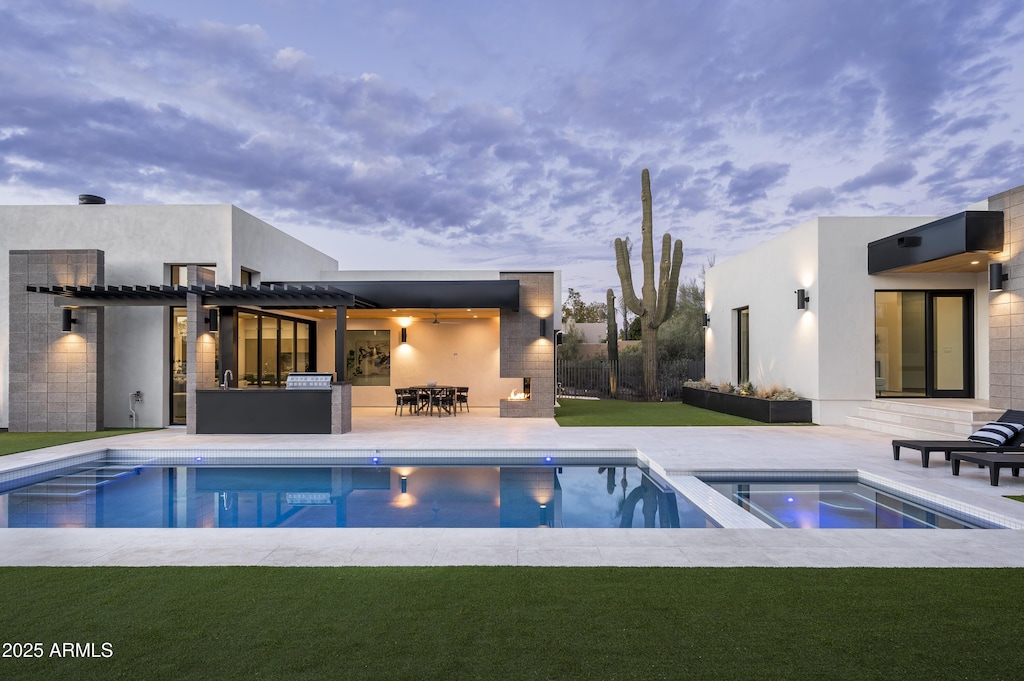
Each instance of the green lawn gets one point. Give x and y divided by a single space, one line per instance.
11 443
515 623
621 413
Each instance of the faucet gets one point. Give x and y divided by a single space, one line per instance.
226 382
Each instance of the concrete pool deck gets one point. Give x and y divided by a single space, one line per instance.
677 450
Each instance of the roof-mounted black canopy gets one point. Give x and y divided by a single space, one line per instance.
478 293
946 245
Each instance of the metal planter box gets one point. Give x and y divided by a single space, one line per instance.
755 408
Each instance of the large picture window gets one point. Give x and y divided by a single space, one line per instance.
271 347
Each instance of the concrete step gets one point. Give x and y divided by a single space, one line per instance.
923 420
899 431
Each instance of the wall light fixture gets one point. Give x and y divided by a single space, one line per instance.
996 276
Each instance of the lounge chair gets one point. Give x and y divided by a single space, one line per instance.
995 461
926 447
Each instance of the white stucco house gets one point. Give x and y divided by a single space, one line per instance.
880 321
125 315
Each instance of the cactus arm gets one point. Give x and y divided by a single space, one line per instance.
626 278
668 279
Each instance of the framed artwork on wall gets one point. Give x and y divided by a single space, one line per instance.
368 357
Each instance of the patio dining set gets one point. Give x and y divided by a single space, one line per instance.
425 399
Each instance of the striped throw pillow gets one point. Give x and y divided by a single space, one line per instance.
997 433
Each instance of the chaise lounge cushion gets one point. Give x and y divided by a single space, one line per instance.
997 433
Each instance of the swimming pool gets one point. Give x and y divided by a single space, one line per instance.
116 493
839 500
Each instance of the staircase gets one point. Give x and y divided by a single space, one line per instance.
924 419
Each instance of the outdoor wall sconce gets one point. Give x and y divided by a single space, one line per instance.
543 327
801 299
996 277
706 321
214 320
405 485
405 335
66 320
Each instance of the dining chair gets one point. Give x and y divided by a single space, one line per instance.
404 397
462 397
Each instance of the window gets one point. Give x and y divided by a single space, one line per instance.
742 345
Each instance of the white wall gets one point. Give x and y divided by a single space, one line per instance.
825 353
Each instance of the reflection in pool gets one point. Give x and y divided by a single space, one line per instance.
336 496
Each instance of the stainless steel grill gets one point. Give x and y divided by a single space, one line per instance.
308 380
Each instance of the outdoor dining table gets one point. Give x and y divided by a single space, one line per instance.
433 393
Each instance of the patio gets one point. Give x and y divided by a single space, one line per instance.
675 449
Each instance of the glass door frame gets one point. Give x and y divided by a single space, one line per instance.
967 324
930 347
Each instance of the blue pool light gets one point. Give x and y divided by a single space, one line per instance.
375 459
548 459
199 459
790 499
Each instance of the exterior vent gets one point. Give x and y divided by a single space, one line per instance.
90 200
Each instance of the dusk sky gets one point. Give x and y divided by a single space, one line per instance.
511 135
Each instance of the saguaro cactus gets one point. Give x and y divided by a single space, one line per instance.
613 347
658 302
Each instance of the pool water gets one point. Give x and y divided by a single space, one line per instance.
336 496
831 504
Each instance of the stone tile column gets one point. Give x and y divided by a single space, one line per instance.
524 352
1006 308
201 346
56 377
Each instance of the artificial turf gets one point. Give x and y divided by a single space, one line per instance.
11 443
515 623
574 412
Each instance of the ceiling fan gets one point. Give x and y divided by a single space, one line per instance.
437 321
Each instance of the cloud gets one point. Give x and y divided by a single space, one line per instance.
747 186
810 199
887 173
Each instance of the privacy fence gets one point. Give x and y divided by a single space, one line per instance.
589 377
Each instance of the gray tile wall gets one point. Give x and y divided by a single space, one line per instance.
524 353
1006 309
201 346
56 378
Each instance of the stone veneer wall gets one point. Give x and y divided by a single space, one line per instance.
201 347
1006 308
56 378
524 353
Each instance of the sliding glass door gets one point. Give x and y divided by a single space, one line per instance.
924 344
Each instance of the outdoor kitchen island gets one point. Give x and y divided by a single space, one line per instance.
309 404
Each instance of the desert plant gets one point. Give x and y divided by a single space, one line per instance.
613 346
658 300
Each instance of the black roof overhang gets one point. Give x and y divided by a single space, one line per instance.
277 295
493 293
973 231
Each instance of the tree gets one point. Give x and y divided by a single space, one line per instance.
574 308
658 300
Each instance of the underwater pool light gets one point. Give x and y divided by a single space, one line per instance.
375 459
548 459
